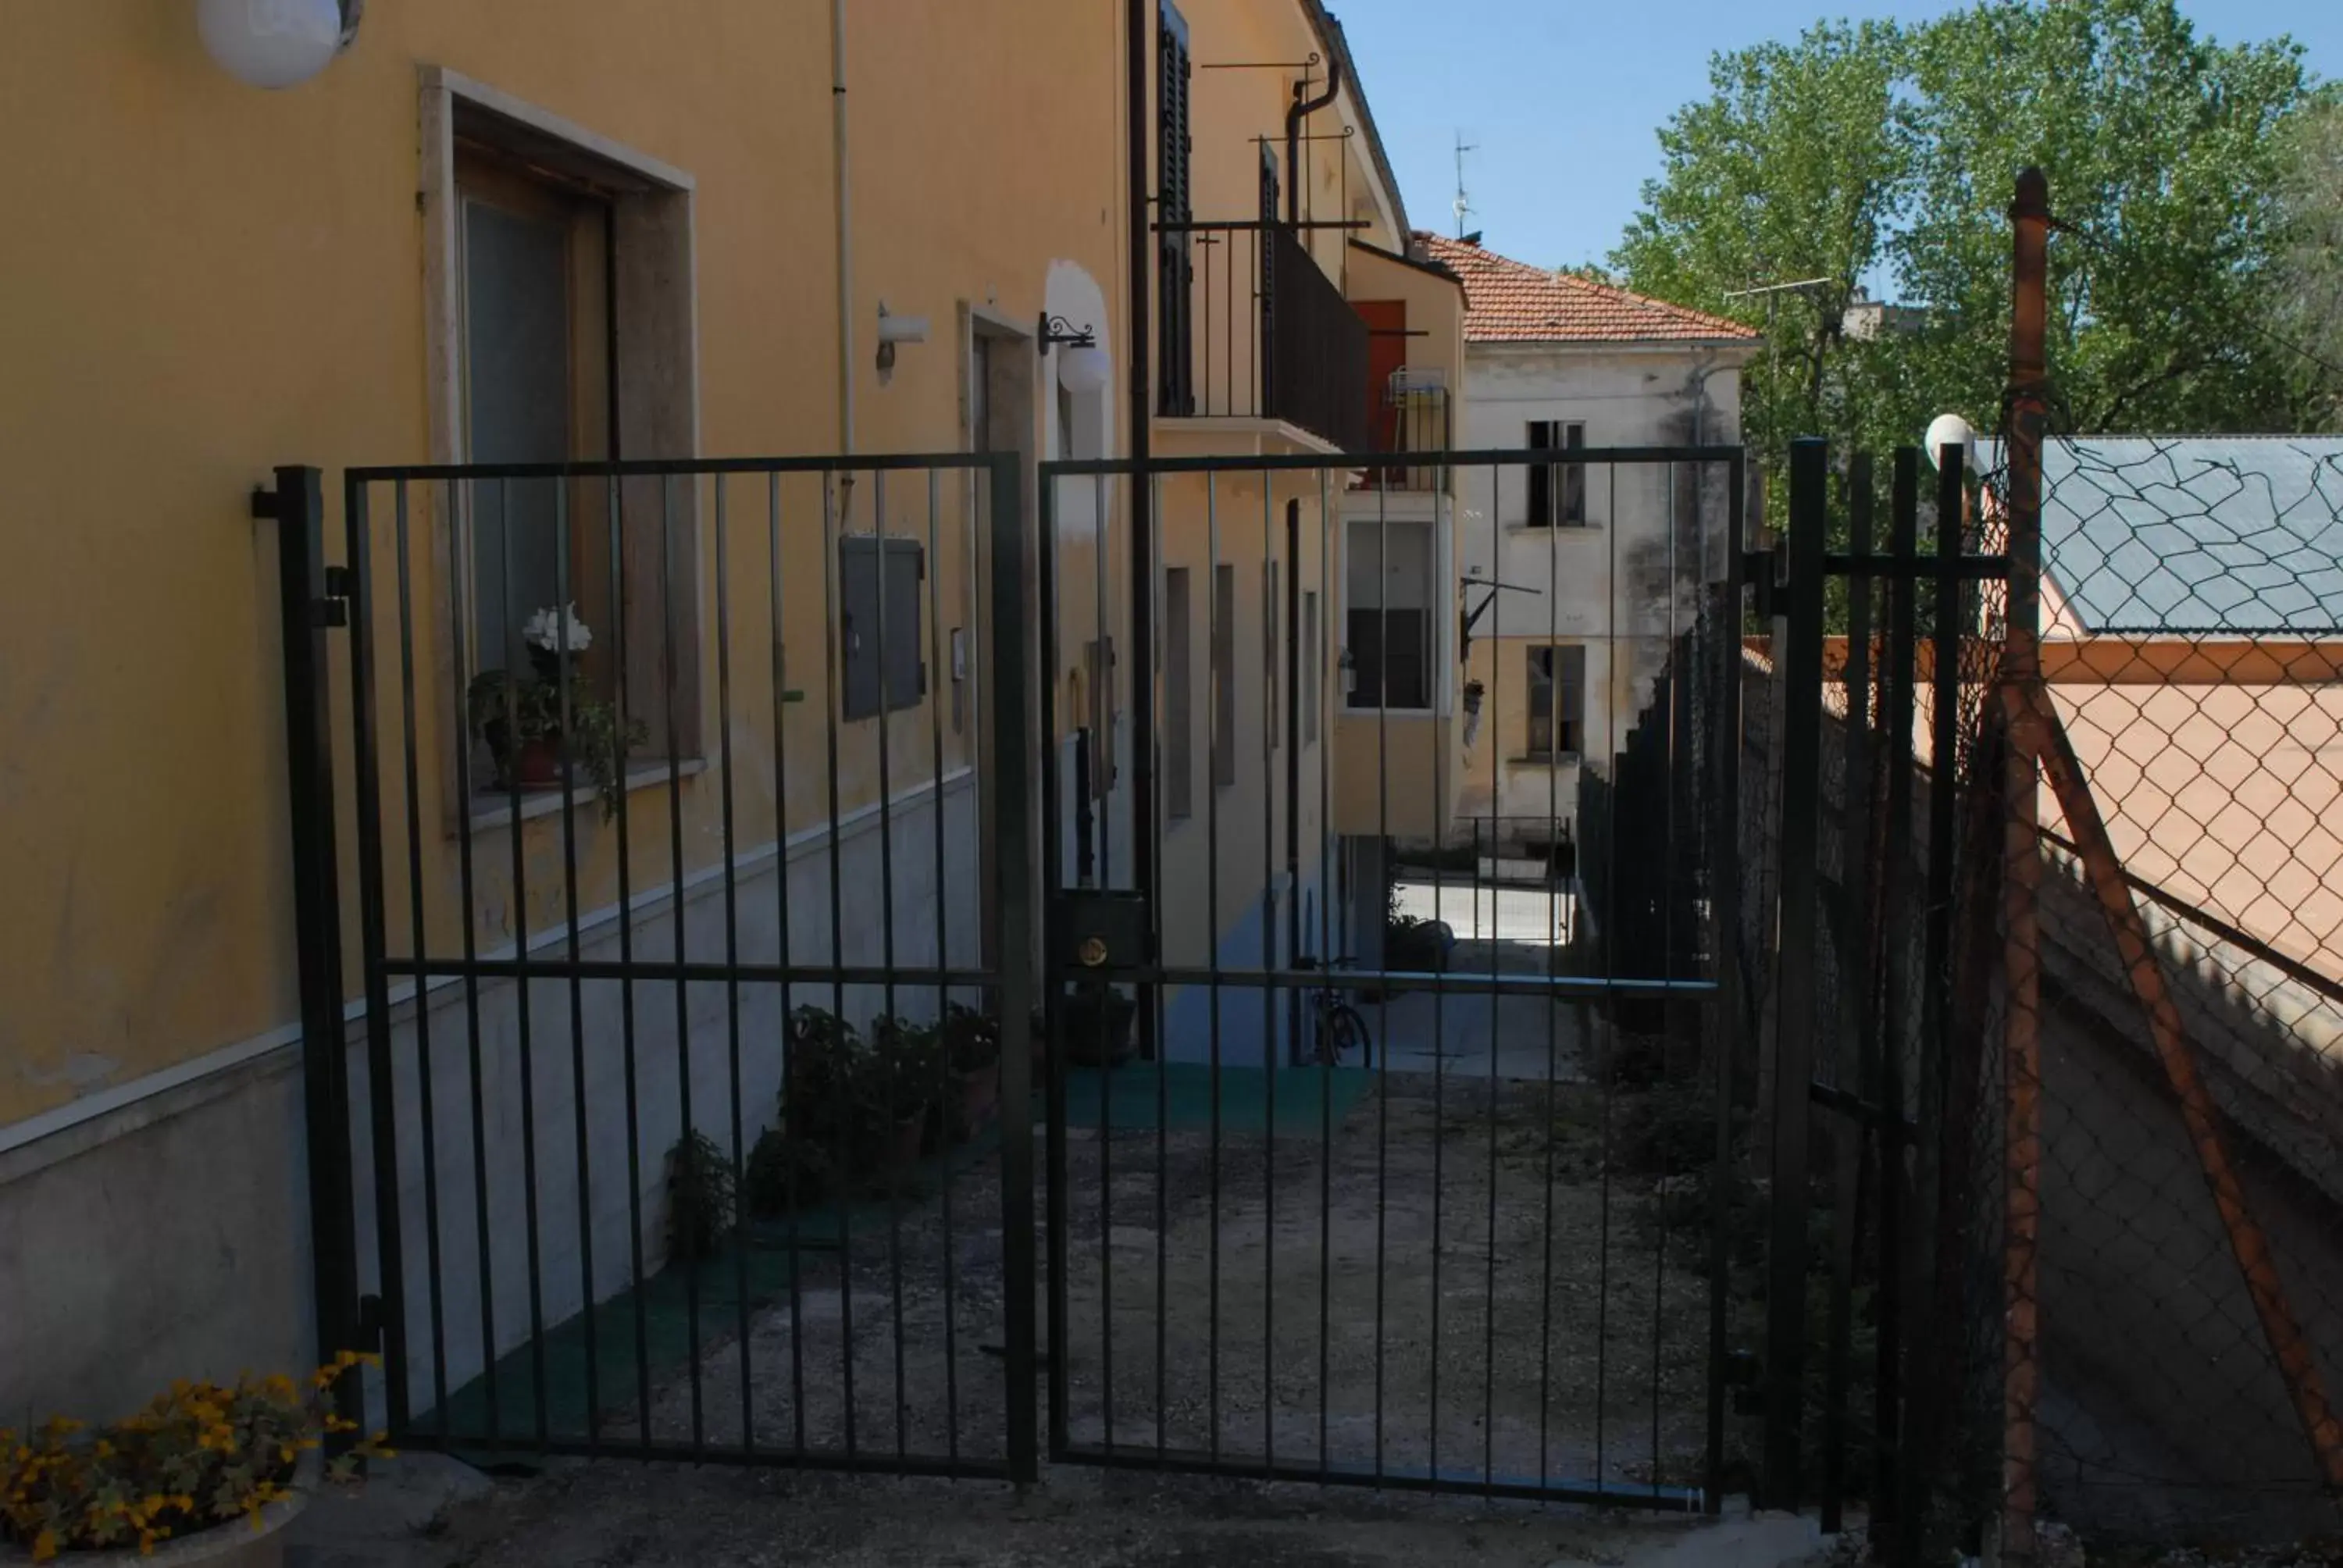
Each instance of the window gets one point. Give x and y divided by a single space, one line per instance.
1065 447
1175 368
1313 669
535 379
880 638
1272 653
1179 698
1557 700
1387 624
1557 491
560 326
1224 675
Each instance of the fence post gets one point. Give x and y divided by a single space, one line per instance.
1794 1050
307 612
1012 785
2021 878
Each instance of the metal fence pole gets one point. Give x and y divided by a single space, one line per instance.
307 612
2021 882
1012 787
1794 1051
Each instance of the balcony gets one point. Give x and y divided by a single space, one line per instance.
1250 328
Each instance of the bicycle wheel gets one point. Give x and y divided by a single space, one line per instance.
1347 1032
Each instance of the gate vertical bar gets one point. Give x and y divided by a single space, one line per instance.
1850 1136
1892 1500
382 1110
298 507
1727 1020
1801 669
1012 789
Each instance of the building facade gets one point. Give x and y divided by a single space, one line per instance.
1577 579
535 235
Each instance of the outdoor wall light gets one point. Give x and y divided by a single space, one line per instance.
1084 371
894 329
276 42
1951 430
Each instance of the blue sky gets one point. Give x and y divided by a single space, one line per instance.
1563 96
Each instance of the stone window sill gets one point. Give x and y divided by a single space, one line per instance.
494 808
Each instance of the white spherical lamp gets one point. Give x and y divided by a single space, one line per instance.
274 43
1084 370
1951 430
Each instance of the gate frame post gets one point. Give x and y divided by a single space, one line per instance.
1012 789
307 610
1801 663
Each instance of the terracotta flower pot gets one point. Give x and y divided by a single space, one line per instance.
980 1099
908 1142
538 764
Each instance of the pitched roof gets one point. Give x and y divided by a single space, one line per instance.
2205 535
1509 301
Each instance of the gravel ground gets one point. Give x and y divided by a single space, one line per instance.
659 1514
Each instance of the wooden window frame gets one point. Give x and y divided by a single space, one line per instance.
653 375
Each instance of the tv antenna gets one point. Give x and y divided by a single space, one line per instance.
1464 203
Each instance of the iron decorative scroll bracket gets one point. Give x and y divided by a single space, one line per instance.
1057 330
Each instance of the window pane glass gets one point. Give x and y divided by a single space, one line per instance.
517 398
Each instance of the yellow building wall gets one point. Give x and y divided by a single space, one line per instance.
229 279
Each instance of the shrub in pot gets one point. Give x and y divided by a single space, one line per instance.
971 1040
212 1470
521 717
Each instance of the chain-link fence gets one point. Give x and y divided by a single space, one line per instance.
2182 1301
2071 1216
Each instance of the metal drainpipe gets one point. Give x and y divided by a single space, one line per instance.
845 248
1297 112
1142 527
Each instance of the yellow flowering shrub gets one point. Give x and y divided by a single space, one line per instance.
200 1456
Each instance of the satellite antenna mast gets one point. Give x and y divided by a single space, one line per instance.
1464 203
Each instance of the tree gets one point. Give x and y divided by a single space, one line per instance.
2310 258
1789 174
1871 149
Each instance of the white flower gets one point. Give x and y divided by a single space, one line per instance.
545 628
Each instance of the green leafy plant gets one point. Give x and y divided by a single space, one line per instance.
907 1064
787 1174
200 1456
513 710
703 1202
971 1038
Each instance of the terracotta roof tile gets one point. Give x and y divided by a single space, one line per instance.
1508 301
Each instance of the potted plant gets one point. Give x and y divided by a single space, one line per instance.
205 1474
519 714
703 1208
971 1040
818 1077
898 1088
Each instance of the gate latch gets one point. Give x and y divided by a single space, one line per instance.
1101 928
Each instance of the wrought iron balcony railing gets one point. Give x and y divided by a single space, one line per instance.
1250 327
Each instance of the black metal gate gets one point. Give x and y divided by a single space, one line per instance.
1874 786
694 947
684 1000
1486 1254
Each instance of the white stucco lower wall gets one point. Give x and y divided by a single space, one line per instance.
172 1239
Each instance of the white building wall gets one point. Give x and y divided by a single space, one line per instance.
1622 584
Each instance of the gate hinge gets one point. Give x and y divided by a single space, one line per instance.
370 1324
333 609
